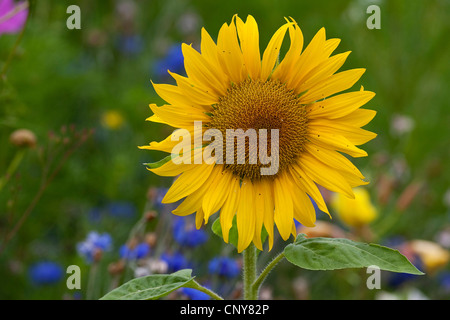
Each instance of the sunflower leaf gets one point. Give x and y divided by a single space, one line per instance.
157 164
233 234
334 253
150 287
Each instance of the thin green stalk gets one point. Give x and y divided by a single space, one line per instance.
195 285
249 273
16 44
12 167
266 271
92 281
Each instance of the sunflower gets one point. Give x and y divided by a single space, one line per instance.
228 86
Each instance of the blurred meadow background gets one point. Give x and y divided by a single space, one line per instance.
74 190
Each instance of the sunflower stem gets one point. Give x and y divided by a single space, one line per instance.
249 273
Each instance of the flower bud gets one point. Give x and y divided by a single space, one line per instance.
116 267
23 138
151 238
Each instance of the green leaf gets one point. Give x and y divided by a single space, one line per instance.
154 165
333 253
233 235
150 287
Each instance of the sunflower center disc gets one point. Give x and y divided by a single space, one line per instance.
254 104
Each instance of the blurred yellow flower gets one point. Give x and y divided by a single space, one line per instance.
112 119
432 254
355 212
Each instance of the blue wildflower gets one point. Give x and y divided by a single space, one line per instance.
224 266
130 44
175 261
121 209
187 234
173 61
138 252
159 195
194 294
95 214
45 273
94 242
444 280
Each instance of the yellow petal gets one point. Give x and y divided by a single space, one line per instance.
359 118
245 215
304 211
284 208
202 72
179 117
333 159
340 105
324 175
215 197
355 135
199 218
171 94
199 96
209 48
266 190
322 72
336 83
249 39
330 46
193 202
335 142
311 57
307 185
259 213
171 141
270 55
188 182
170 169
230 54
285 71
230 207
190 204
353 180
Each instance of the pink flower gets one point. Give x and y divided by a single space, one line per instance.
12 16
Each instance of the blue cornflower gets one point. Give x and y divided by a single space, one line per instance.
444 281
194 294
138 252
45 273
159 195
130 44
175 261
121 209
224 266
187 234
94 242
173 61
